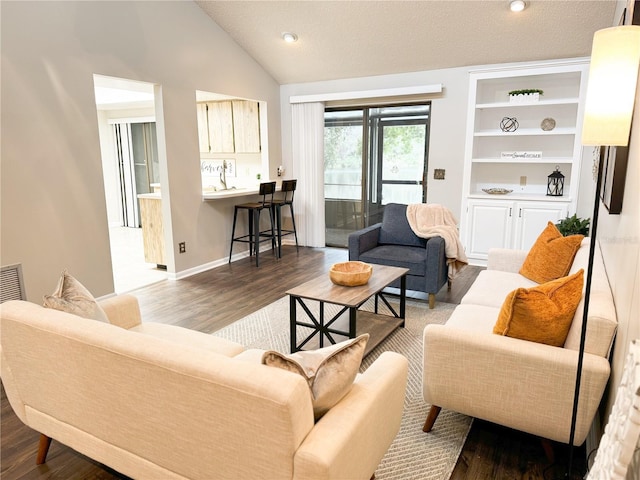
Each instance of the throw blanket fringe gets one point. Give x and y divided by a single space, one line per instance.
433 220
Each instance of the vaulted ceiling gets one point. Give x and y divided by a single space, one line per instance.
345 39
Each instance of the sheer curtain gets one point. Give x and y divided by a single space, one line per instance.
307 136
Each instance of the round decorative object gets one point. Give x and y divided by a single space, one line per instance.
350 274
548 124
509 124
496 191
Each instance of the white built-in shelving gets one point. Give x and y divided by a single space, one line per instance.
514 220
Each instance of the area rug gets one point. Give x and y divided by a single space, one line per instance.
413 454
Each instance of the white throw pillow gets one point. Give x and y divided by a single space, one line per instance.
329 371
72 297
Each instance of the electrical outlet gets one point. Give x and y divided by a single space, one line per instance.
182 247
523 181
438 173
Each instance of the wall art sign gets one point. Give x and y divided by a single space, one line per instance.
614 172
520 155
214 167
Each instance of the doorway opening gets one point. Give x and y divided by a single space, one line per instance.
373 156
128 144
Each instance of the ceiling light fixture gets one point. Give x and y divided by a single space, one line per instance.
517 5
289 37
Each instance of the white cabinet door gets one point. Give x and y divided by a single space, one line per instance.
489 224
532 217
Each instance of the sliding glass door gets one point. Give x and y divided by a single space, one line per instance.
373 156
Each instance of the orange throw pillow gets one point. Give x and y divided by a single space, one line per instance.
551 256
541 314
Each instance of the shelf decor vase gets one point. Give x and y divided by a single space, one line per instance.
524 98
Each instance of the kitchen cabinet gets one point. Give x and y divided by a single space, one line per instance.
229 126
543 134
507 224
152 228
221 136
246 126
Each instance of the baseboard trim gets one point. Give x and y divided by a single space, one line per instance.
208 266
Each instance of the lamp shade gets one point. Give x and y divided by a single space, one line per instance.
611 90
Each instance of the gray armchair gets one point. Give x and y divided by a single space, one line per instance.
392 242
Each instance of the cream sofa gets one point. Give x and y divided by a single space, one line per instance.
520 384
159 401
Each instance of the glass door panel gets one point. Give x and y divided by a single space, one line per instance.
343 141
373 156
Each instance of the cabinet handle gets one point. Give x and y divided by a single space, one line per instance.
509 211
520 213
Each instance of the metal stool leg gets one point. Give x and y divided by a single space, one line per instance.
233 231
256 233
278 208
293 220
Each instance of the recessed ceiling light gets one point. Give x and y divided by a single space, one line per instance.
289 37
517 5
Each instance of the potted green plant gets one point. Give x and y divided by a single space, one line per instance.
574 225
525 95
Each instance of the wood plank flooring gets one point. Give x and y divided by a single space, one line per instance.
211 300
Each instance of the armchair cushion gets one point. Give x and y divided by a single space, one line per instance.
413 258
395 228
541 314
329 371
551 256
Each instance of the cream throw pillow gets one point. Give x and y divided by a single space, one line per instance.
72 297
329 371
541 314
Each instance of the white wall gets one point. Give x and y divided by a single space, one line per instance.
619 236
448 122
53 210
448 125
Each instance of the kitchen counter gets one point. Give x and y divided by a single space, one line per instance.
208 194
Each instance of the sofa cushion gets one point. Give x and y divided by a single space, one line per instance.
413 258
541 314
602 322
329 371
492 286
551 256
395 229
192 338
475 318
72 297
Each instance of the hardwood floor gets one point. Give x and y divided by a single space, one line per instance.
211 300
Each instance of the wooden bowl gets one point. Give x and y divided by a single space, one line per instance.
350 274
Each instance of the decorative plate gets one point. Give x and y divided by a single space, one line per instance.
548 124
496 191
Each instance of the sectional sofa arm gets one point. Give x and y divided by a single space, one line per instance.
363 240
523 385
122 310
505 259
350 440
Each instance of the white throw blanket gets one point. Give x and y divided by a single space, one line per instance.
433 220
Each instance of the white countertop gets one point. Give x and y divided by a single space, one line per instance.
208 194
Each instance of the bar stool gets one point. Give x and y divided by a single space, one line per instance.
288 190
254 209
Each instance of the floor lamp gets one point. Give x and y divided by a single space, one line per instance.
611 91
